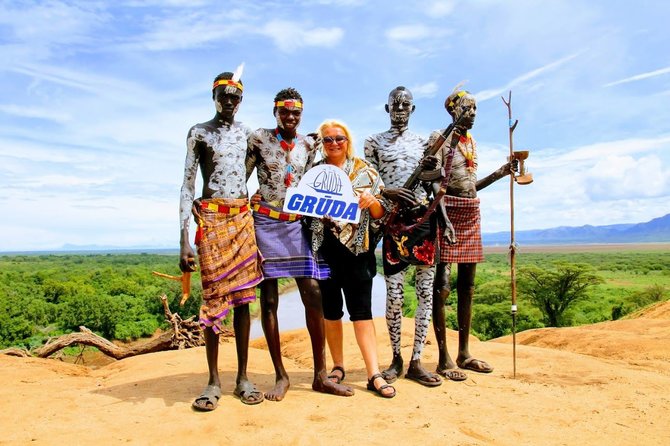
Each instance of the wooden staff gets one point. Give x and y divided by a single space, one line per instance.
512 243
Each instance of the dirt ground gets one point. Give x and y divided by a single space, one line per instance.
600 384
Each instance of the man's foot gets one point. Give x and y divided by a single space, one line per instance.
278 392
394 371
452 374
337 374
476 365
324 385
417 373
248 393
208 399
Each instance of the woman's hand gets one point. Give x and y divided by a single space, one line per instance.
366 199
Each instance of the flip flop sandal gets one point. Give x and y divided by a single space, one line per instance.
424 379
476 365
337 378
452 374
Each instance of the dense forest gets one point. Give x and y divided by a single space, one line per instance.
116 296
625 281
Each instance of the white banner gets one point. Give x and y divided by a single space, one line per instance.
324 190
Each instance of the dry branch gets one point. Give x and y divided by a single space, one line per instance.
184 333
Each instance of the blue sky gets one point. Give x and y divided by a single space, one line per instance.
97 98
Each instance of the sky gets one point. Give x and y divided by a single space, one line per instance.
97 98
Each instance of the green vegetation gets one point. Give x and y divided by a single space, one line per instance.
112 294
116 295
553 291
627 281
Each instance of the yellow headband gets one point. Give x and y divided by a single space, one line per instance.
289 103
459 95
227 82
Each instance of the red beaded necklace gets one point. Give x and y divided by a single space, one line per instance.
288 178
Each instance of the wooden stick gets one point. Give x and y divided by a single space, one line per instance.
512 243
185 280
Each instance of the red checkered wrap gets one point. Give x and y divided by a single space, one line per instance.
464 216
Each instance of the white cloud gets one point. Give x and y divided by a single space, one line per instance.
414 32
495 92
440 8
290 36
625 177
35 112
639 77
426 90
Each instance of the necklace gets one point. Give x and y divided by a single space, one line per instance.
288 178
467 148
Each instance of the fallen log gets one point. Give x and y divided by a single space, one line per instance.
184 333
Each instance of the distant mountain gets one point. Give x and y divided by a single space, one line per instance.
656 230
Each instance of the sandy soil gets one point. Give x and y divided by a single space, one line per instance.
600 384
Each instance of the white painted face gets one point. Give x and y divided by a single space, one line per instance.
466 107
400 106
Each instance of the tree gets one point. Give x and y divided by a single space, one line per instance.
553 291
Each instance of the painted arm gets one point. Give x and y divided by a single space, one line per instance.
252 156
497 174
186 254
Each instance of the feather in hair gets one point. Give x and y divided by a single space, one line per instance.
459 85
237 74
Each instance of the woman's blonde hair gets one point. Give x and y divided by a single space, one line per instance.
335 123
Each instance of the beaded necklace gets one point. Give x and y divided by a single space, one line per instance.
467 148
288 178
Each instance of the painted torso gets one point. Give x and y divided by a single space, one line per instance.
271 161
462 182
220 152
395 156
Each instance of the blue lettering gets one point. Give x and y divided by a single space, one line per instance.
323 206
327 182
337 208
350 213
295 202
308 205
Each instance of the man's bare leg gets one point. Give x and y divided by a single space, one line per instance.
440 296
311 299
465 287
269 304
244 389
209 398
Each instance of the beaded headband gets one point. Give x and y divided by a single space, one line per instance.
228 82
289 103
459 95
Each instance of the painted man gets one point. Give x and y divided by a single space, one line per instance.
281 156
395 154
461 243
227 252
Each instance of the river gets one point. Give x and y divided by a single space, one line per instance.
291 313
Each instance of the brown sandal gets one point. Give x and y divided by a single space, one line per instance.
378 391
337 378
